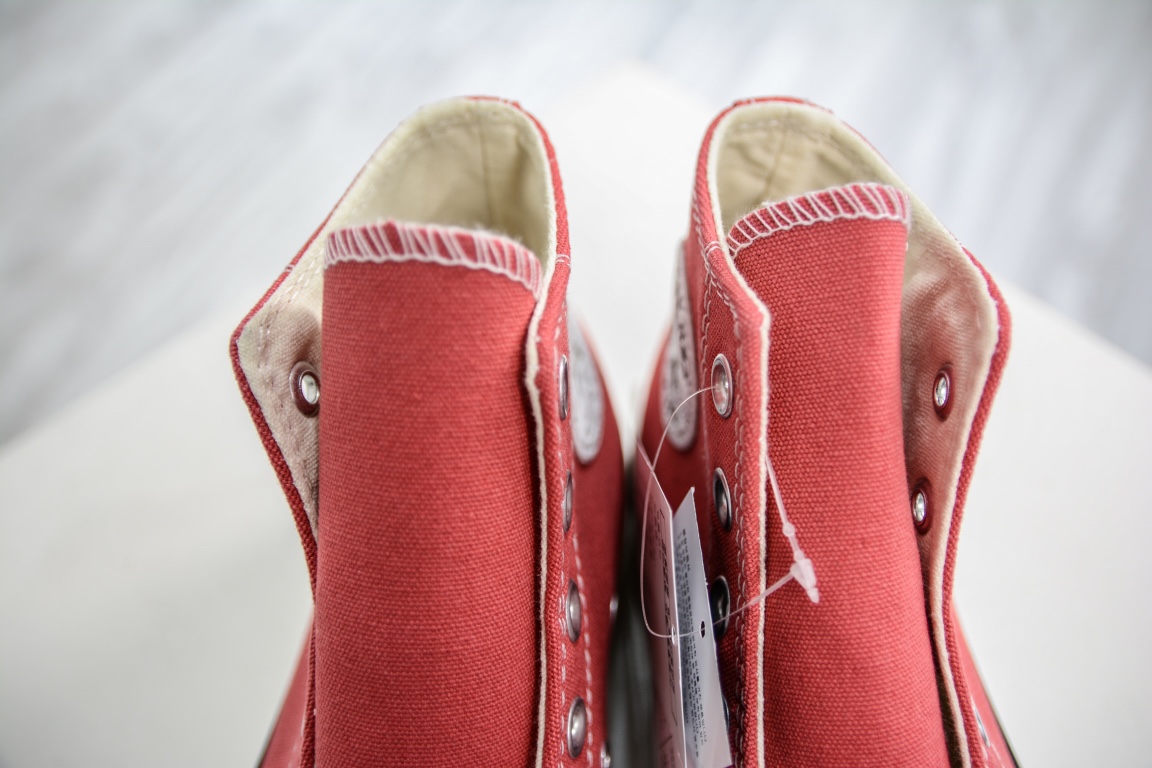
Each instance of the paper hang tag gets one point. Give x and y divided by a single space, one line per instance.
705 729
690 726
658 584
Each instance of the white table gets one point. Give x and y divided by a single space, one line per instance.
153 597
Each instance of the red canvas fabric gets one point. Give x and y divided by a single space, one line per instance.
850 679
425 618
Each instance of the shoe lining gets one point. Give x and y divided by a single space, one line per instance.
472 164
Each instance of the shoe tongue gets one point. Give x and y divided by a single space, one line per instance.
398 241
830 257
829 267
426 549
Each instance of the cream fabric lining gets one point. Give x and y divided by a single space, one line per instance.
463 162
766 152
480 166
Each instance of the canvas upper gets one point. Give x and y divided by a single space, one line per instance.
446 444
850 349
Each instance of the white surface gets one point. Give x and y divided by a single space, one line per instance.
154 596
152 590
1053 579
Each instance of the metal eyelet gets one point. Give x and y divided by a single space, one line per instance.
613 608
573 615
577 727
304 382
721 500
722 385
605 756
921 506
567 503
942 392
563 384
721 604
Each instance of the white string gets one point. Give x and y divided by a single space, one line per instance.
644 520
802 570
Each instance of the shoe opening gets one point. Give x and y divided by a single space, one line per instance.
472 163
767 152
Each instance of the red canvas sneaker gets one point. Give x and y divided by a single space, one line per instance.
848 349
449 453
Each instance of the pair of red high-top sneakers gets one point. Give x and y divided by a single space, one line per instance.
441 428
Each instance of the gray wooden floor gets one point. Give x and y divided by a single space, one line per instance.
161 160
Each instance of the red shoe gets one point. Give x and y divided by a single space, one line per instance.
850 349
456 479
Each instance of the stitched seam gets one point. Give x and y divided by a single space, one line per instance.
875 202
535 396
738 503
586 640
737 496
950 665
531 372
564 641
371 243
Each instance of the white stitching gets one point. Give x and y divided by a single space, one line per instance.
579 584
585 613
442 245
876 202
737 492
563 565
711 285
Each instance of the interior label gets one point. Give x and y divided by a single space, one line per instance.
587 396
678 375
